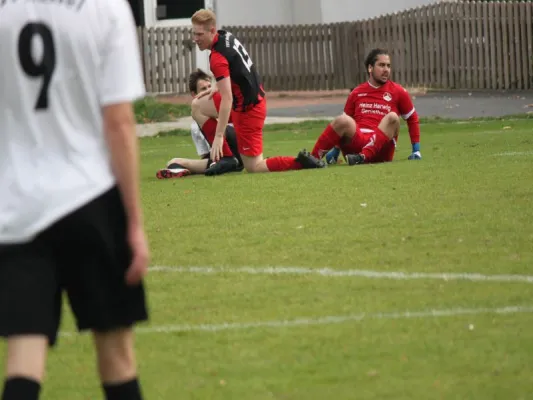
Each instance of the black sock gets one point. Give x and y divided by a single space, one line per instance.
130 390
18 388
175 166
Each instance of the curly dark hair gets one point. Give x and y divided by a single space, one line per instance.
372 57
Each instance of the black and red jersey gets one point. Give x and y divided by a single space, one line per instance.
229 58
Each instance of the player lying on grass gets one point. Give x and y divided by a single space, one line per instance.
199 81
243 99
368 129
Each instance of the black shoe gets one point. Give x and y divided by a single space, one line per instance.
308 161
224 165
354 159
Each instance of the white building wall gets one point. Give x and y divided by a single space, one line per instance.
284 12
202 57
306 11
353 10
255 12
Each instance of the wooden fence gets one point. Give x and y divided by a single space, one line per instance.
452 45
168 58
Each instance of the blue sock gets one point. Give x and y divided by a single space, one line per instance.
333 155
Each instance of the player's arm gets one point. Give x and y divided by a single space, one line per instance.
121 82
224 88
409 114
119 126
220 69
349 107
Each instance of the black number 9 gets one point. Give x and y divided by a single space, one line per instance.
43 68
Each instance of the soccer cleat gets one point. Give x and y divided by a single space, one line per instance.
355 159
224 165
167 173
308 161
332 156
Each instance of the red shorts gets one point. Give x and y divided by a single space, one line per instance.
249 129
363 137
217 99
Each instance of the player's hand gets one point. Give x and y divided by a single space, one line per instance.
415 156
208 93
140 256
216 148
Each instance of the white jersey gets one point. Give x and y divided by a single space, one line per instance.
202 145
61 61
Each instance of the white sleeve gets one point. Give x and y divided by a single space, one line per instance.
202 146
121 70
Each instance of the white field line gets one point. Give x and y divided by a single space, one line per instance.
328 320
514 153
328 272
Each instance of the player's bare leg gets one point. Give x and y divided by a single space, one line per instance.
116 363
25 366
342 128
177 170
390 125
255 164
194 166
202 109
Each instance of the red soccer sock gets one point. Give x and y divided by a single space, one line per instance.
209 129
279 164
327 140
374 146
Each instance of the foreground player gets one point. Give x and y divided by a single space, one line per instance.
368 129
70 71
203 137
243 98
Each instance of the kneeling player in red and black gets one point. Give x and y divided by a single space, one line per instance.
243 99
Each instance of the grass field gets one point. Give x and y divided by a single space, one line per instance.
406 280
149 109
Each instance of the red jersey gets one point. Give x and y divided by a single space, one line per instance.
367 105
229 58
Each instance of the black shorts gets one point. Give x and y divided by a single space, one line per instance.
84 254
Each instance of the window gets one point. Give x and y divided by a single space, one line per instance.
182 9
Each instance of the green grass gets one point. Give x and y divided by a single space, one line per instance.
151 110
464 208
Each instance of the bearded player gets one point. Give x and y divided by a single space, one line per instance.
368 129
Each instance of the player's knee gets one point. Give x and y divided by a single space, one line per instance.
343 123
251 168
390 124
392 118
254 164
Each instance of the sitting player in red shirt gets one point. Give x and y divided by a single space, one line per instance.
368 129
203 133
243 98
